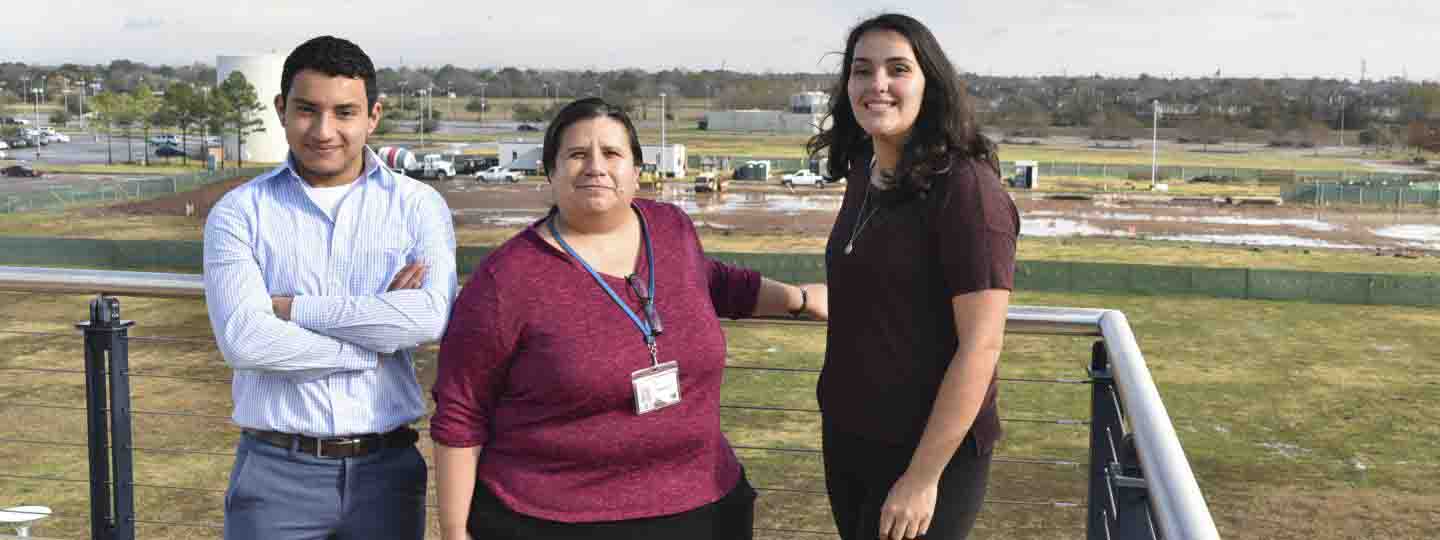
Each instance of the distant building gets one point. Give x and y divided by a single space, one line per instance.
521 155
806 114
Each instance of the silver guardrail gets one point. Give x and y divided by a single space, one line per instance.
1178 506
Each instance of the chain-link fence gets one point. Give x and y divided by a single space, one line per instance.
1389 194
131 190
1105 170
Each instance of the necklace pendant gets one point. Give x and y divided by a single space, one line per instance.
849 246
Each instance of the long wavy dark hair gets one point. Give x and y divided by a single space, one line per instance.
945 128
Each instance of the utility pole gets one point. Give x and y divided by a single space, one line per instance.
661 156
1154 142
482 103
1342 121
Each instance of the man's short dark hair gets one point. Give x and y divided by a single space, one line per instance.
334 57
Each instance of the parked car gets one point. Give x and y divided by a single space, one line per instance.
709 182
3 155
56 137
527 127
498 174
35 136
173 140
4 145
22 170
168 150
803 177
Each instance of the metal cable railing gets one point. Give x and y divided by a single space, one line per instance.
1179 513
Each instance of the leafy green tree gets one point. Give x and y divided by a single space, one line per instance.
107 108
240 110
146 107
180 107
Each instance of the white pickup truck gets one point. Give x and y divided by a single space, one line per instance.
497 174
803 177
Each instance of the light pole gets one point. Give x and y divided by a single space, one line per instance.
425 99
545 91
403 84
1154 142
83 124
661 155
482 103
1342 121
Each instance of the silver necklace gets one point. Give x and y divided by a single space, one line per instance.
860 224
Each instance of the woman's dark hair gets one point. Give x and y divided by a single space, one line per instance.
585 109
945 127
334 57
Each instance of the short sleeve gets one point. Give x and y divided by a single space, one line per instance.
475 357
975 225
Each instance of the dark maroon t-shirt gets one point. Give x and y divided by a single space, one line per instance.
536 363
892 324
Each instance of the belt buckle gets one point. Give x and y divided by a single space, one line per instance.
320 444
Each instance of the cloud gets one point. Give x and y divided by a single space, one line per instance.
133 23
1280 16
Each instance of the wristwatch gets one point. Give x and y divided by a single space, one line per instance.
804 301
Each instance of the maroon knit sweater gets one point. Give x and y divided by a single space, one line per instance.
535 367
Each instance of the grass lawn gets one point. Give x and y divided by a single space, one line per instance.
1300 420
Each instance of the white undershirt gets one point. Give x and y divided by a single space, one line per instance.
328 198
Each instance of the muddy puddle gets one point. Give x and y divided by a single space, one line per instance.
812 212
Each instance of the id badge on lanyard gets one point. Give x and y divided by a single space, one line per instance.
658 386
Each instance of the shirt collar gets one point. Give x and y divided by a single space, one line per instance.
371 171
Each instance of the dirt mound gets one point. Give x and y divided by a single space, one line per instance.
198 201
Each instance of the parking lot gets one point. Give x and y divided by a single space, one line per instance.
85 149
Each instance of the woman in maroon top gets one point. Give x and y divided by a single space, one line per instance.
920 264
580 375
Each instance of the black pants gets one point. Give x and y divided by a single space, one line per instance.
730 518
859 474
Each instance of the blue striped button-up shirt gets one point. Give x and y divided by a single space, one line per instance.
342 365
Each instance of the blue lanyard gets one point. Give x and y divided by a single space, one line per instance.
647 326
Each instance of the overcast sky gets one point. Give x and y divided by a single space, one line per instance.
1113 37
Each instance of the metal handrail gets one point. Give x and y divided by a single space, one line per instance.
1178 505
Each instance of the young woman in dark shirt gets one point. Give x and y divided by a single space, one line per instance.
920 264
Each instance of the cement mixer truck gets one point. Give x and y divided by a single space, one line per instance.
403 161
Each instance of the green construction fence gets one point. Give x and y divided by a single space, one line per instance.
1057 276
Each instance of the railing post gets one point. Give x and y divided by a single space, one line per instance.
106 332
1119 508
1103 419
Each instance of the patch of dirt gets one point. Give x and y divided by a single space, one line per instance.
777 211
199 200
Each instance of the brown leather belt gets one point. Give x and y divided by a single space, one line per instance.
338 447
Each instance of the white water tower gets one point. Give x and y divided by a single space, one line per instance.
263 72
